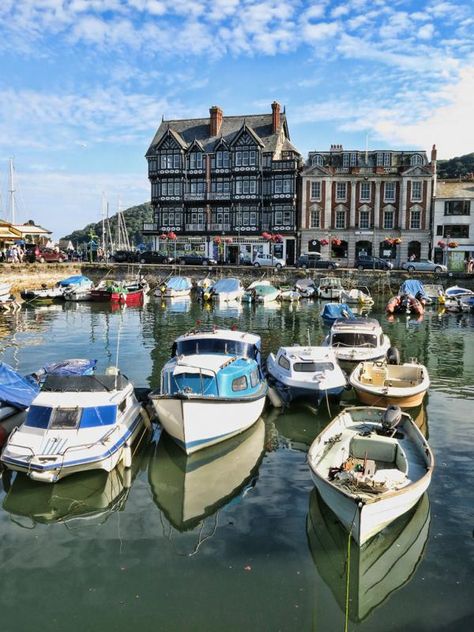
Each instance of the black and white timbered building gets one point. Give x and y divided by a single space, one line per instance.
227 177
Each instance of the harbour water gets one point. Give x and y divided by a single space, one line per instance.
234 538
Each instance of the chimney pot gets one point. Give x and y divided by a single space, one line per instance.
216 116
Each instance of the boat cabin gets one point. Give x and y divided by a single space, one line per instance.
358 332
305 359
218 341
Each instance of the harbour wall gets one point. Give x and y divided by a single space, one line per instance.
24 276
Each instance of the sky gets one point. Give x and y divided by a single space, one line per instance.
84 85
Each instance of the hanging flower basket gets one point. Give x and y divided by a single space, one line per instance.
266 236
453 244
217 240
163 236
397 241
228 240
441 244
172 236
277 239
389 241
324 242
336 241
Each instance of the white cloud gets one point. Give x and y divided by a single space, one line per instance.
426 32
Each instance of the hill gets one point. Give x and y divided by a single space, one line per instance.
134 216
456 167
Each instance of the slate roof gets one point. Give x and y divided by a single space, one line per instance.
198 129
455 189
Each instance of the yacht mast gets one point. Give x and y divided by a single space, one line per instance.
12 192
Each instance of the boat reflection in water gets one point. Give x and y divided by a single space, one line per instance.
188 489
84 499
381 566
299 424
420 417
176 305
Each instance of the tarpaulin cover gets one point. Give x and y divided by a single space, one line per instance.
76 279
333 311
178 283
304 283
15 390
75 366
226 285
413 287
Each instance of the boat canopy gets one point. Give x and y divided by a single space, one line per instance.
333 311
15 390
226 285
264 290
77 279
70 417
75 366
412 287
178 283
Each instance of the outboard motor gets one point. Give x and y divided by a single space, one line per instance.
393 355
391 418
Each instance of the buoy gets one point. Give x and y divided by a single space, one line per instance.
274 397
127 456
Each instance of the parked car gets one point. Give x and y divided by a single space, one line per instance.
46 255
367 262
125 256
195 259
152 256
269 261
314 260
424 265
245 260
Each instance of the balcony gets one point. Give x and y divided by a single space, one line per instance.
284 165
191 197
219 196
220 227
195 228
149 227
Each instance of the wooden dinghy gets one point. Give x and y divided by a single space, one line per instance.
370 465
380 384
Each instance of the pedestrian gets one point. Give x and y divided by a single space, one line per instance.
470 265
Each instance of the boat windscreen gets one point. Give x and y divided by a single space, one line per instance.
352 339
70 417
313 367
216 345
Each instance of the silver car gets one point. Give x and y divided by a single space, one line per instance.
268 260
424 265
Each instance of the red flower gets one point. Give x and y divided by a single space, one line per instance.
163 236
442 244
336 241
217 240
324 242
266 235
172 236
453 244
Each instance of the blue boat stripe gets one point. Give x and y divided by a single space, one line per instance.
66 464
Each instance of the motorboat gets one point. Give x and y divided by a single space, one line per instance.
126 292
5 292
203 285
375 570
212 388
289 295
311 372
76 423
190 488
357 296
16 394
357 340
305 287
250 294
72 283
380 383
330 288
225 290
370 465
334 311
457 292
411 298
175 287
264 294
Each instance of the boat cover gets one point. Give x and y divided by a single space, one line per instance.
333 311
226 285
264 290
77 279
413 287
15 390
75 366
178 283
303 284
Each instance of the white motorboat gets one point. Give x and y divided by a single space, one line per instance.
370 465
226 290
262 294
357 340
357 296
175 287
77 282
190 488
76 423
310 372
374 571
330 288
380 383
457 292
289 295
212 388
5 292
305 287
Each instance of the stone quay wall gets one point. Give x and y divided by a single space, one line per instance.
25 276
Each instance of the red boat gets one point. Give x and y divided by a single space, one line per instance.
127 293
408 304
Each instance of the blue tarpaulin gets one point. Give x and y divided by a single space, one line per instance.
76 279
412 287
178 283
75 366
333 311
15 390
226 285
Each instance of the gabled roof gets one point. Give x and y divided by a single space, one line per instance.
260 125
417 170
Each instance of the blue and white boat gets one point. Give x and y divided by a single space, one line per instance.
76 423
334 311
225 290
306 372
174 287
63 289
212 388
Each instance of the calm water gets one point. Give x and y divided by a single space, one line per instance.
234 538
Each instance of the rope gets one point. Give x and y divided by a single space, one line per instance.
348 574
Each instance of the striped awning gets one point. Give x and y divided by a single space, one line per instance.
9 232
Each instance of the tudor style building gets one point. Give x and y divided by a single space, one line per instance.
227 177
352 202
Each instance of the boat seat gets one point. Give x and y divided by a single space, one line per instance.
374 447
375 376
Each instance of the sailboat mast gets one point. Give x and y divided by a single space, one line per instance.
12 192
103 222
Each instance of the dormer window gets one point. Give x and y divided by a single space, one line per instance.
317 160
416 159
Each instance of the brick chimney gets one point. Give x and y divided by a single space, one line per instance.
434 154
216 120
275 117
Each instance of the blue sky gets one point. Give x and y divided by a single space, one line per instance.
84 84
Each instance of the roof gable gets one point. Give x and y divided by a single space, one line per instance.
246 136
417 170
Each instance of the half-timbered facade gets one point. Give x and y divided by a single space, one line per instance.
367 202
226 177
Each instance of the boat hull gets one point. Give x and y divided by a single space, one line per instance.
381 399
198 422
